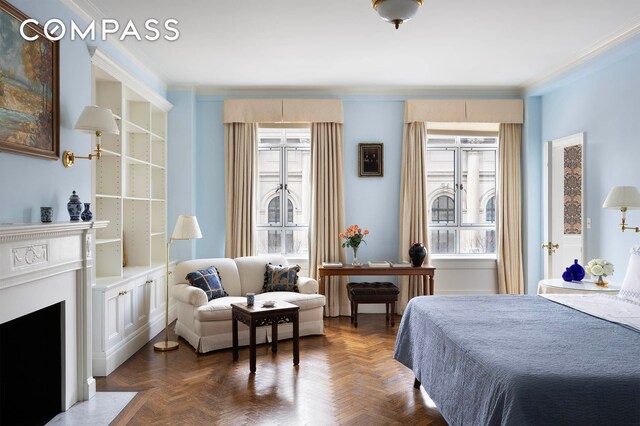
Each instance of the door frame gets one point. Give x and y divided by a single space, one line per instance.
574 139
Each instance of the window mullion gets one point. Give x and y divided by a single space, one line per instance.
283 197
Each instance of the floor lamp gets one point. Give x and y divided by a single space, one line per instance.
186 229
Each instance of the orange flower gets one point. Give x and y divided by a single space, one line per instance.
340 235
366 232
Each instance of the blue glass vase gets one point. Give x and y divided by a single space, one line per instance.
567 275
577 271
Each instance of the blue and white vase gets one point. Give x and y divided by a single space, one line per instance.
86 215
74 207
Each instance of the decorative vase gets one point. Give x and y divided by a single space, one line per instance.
599 280
74 206
417 253
577 271
86 215
355 261
567 275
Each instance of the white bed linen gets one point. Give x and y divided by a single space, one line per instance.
611 308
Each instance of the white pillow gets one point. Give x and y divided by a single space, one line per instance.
631 285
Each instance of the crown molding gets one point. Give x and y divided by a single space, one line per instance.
90 12
102 61
397 91
613 40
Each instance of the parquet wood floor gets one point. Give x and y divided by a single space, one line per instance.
346 377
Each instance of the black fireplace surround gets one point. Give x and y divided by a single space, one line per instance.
31 372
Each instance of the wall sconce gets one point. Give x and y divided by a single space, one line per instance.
623 198
96 120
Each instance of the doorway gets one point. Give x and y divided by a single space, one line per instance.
563 196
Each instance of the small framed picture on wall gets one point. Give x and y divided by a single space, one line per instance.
370 159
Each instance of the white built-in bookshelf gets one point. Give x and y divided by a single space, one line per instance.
130 181
130 191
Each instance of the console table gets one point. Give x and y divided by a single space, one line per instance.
559 286
427 272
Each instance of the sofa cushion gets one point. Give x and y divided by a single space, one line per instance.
220 309
226 268
280 278
251 271
304 301
209 281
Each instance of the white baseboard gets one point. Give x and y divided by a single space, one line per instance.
104 363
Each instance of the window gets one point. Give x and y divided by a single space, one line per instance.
490 210
443 210
283 191
461 186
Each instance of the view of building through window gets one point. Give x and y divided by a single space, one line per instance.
461 190
283 192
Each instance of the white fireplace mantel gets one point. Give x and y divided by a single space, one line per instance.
46 263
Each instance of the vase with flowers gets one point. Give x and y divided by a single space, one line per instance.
353 236
599 268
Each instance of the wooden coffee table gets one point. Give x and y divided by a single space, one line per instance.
258 316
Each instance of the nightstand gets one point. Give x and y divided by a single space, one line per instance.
560 286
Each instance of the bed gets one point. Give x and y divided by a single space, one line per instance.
520 360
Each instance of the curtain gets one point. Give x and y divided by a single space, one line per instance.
240 179
413 204
327 211
509 216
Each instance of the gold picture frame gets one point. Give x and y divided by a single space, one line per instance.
371 160
29 88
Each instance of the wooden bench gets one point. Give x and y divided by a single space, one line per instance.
373 292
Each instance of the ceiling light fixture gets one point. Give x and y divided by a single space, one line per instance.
396 11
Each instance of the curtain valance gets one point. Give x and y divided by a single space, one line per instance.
283 110
464 110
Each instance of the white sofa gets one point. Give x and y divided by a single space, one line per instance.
207 325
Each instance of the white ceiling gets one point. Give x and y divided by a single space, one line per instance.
275 44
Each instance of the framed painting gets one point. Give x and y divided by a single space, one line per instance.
29 88
370 160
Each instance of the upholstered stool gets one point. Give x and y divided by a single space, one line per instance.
374 292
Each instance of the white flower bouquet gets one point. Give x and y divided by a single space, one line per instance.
599 267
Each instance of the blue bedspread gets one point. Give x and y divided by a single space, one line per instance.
520 360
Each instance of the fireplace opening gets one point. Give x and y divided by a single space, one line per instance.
31 367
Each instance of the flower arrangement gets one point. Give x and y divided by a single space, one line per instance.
353 236
599 267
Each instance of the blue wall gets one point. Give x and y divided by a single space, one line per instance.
29 182
374 203
532 193
181 166
600 99
209 183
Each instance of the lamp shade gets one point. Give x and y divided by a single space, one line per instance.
97 119
186 228
623 196
396 11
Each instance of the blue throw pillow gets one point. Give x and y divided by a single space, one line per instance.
208 280
280 278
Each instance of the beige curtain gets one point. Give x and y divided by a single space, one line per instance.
240 179
509 220
327 211
413 204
